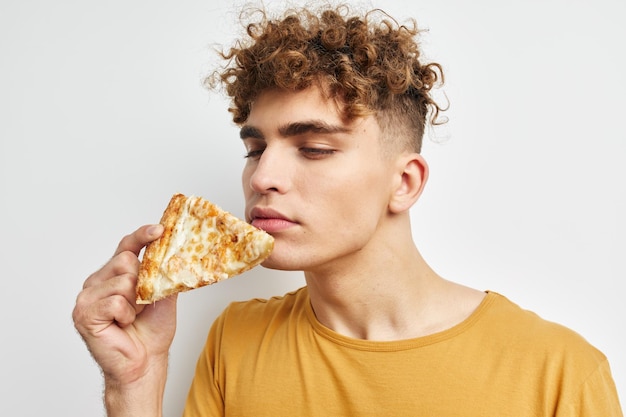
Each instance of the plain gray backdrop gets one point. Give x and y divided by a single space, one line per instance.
103 117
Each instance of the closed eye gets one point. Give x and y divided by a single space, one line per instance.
316 153
254 153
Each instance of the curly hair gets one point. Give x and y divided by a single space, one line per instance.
371 63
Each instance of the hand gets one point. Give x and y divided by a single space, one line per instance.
129 341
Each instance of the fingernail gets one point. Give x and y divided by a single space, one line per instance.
155 230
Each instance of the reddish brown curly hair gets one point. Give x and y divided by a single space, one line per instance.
370 63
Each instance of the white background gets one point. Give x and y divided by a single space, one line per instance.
103 117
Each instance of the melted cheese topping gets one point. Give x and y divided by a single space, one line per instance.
205 249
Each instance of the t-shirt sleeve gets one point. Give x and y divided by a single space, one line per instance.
599 394
205 397
597 397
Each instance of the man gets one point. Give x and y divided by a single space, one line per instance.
332 110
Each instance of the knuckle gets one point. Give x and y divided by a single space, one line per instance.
126 283
127 237
115 302
76 314
89 280
79 313
78 306
127 258
118 306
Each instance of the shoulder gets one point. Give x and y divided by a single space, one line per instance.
245 326
521 327
569 367
263 306
255 315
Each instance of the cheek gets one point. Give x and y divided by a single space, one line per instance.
354 207
361 191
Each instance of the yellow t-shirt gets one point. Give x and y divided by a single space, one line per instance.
273 358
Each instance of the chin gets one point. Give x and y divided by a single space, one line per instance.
280 266
288 263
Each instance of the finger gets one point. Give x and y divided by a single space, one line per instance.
122 263
102 304
91 319
135 241
121 285
160 315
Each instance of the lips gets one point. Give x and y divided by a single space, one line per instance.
270 220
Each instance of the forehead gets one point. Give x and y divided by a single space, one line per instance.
282 104
275 109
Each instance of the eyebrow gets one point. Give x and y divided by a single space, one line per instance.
295 129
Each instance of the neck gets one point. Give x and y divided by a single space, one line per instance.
387 291
375 293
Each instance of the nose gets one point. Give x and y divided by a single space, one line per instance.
269 173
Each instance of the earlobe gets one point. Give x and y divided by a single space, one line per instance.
411 178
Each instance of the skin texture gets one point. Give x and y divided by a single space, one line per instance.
322 182
130 342
336 198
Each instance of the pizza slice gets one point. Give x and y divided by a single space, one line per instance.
201 245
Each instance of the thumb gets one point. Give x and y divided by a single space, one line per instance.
160 316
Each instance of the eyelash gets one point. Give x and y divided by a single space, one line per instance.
311 153
253 154
317 152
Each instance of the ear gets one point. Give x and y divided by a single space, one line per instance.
410 180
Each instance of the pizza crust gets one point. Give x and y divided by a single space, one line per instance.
201 244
